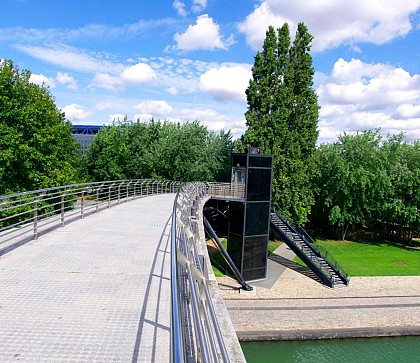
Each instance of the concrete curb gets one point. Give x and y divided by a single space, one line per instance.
313 334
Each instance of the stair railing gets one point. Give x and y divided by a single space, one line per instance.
320 250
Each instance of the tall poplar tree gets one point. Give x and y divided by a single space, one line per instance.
282 116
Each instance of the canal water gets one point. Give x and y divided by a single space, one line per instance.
366 350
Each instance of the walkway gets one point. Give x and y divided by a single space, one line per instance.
94 291
296 306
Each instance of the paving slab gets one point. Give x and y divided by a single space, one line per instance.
94 291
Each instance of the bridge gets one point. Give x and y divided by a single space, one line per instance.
114 271
119 271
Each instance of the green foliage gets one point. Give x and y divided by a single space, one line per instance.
161 150
37 149
282 116
363 181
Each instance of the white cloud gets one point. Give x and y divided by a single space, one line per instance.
179 6
107 82
359 96
226 83
75 112
331 22
369 86
104 106
204 34
213 119
407 111
40 80
154 107
139 74
199 5
65 79
71 58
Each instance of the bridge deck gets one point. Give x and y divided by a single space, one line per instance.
97 290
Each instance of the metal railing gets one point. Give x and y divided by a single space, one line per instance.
318 249
226 190
195 333
25 215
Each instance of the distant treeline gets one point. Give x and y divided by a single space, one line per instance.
159 149
365 182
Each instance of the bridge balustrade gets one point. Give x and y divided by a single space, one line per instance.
195 332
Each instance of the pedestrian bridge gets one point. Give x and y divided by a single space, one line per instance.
111 272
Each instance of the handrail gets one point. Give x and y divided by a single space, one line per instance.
200 339
195 331
321 251
23 216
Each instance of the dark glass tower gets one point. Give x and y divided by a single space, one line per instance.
249 220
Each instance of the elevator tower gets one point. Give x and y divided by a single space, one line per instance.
249 220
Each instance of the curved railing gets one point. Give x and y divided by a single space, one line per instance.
24 216
195 333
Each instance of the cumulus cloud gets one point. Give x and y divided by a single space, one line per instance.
359 96
75 112
139 74
107 82
213 119
65 79
104 106
369 86
196 6
179 6
226 83
154 107
41 80
199 5
331 22
204 35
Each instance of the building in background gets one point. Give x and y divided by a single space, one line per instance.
85 134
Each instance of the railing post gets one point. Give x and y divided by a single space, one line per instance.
36 219
62 210
109 195
97 199
119 193
82 204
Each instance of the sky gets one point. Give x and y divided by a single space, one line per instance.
186 60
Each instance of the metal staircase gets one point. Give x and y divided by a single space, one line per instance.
315 256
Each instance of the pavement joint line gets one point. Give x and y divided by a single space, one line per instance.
327 307
318 298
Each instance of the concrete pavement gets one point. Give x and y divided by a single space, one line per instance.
94 291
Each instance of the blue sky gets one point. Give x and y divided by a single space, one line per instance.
186 60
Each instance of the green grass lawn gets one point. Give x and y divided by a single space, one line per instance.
374 259
357 258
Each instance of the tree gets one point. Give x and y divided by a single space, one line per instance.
353 182
282 116
401 208
162 150
366 182
37 148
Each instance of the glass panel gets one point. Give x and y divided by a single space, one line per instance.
259 184
259 161
257 217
